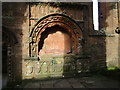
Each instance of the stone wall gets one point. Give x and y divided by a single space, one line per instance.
100 48
109 22
15 18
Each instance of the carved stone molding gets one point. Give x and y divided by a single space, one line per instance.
63 21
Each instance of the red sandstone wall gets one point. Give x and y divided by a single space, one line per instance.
20 18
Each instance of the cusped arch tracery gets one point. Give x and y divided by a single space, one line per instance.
63 21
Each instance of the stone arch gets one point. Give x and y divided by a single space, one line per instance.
61 20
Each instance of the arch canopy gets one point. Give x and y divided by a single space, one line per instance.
56 19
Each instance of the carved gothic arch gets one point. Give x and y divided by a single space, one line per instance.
61 20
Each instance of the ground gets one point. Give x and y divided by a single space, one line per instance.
95 81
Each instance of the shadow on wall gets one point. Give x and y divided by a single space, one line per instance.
53 41
56 43
8 55
13 17
109 22
101 43
119 53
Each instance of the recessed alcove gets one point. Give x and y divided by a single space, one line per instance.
55 40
